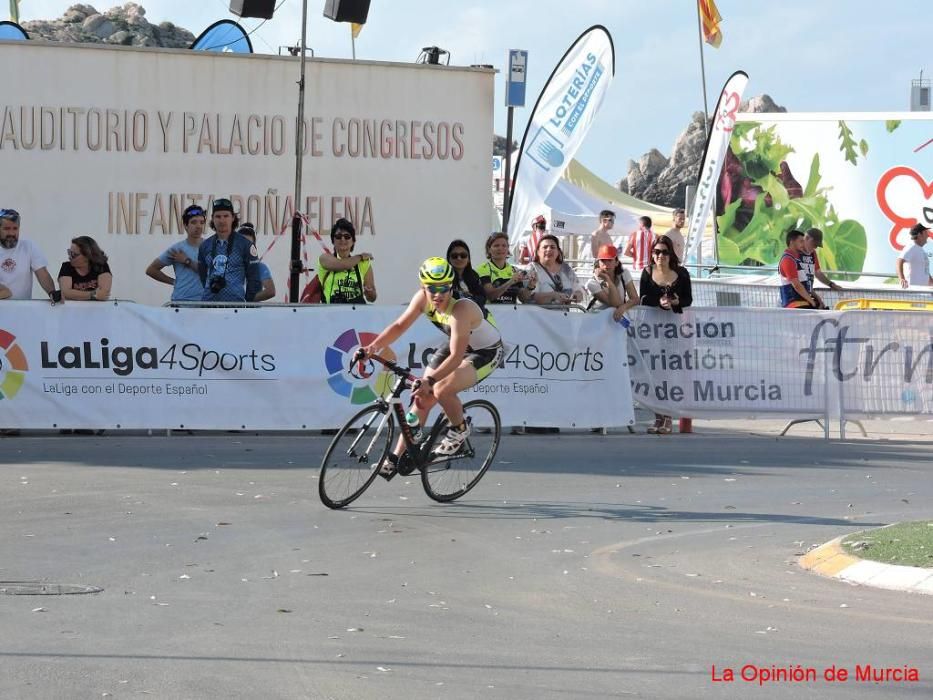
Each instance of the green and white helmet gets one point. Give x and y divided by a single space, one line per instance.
436 271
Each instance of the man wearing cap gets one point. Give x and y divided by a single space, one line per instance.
226 259
538 229
812 240
183 257
19 260
918 264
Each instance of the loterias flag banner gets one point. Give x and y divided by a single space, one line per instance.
716 143
559 122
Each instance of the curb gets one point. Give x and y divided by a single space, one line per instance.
832 561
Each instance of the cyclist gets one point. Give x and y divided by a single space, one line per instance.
474 351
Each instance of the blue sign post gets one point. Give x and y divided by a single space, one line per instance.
514 97
515 82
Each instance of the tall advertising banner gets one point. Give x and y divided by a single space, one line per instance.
863 179
124 365
114 143
559 122
717 141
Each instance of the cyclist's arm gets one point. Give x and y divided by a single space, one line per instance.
395 329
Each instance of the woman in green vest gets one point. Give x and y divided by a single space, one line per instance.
502 282
346 278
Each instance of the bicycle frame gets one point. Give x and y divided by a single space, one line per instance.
417 451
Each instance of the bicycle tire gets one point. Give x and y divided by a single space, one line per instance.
446 479
346 474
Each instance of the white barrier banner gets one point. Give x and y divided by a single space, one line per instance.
131 366
714 362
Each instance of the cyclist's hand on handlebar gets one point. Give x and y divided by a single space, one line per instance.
422 387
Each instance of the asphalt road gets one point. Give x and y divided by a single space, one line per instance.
581 567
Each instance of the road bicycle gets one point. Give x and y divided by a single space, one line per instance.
352 460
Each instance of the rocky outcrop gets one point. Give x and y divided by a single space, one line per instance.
126 25
663 181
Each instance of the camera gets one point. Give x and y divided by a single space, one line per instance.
217 283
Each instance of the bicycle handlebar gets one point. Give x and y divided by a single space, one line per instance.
404 372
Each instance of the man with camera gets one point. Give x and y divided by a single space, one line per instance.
227 259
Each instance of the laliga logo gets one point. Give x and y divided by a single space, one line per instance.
360 388
906 199
13 366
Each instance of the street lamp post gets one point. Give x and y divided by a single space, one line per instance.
296 266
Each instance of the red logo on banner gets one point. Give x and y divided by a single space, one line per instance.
906 199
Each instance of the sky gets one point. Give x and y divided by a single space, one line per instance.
809 55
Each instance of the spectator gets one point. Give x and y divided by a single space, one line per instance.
19 261
225 260
640 244
796 292
538 228
612 286
260 286
552 280
346 278
812 240
466 281
501 282
183 257
86 276
676 235
665 284
600 237
918 264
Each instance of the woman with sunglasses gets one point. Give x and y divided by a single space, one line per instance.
86 276
346 278
665 284
473 352
552 280
466 281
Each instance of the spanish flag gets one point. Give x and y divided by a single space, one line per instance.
14 10
710 18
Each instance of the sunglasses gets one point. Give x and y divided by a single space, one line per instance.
196 211
10 214
661 251
438 288
343 237
459 256
71 254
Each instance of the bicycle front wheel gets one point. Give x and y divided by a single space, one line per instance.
351 463
446 478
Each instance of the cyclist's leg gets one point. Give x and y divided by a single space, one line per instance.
475 367
423 405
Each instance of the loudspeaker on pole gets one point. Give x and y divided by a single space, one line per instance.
262 9
347 10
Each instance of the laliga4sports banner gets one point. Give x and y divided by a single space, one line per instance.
558 124
124 365
717 141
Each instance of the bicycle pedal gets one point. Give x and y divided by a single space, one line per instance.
389 474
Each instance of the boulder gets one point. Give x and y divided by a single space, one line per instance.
664 181
126 24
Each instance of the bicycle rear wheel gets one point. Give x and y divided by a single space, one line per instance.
351 462
446 478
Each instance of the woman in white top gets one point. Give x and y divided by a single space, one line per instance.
611 286
553 280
